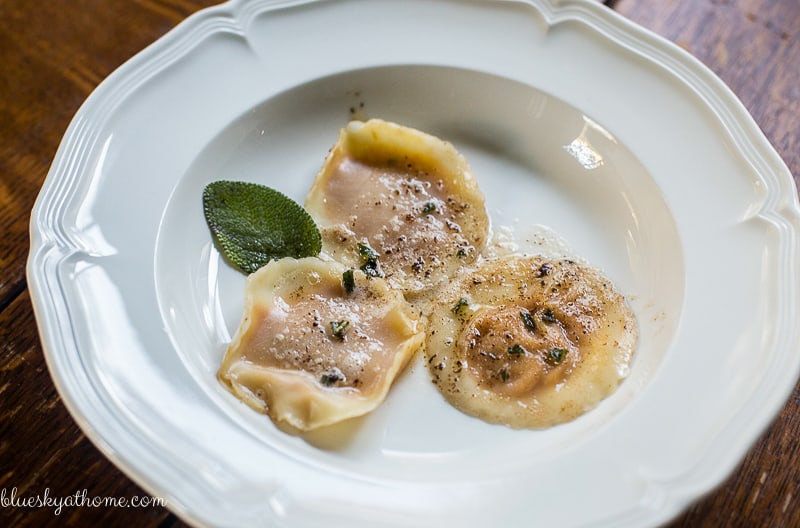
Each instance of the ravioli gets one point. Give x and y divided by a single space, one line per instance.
530 342
398 203
318 343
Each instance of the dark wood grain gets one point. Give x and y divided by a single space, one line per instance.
754 46
54 54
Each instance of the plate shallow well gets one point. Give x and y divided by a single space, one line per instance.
522 148
662 180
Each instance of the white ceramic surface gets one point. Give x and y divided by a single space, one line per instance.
571 117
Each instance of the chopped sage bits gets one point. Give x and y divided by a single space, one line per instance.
252 224
348 281
460 305
556 355
366 252
369 261
428 208
527 319
516 350
504 375
372 269
339 328
330 378
548 316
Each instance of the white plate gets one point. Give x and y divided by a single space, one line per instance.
571 117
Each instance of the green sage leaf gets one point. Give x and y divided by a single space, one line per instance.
252 224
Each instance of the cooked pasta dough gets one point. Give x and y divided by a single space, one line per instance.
318 343
398 203
530 342
525 341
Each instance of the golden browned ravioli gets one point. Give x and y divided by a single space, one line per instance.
318 343
529 342
400 204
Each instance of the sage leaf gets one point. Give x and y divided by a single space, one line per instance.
252 224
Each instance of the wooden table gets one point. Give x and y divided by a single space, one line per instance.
53 55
